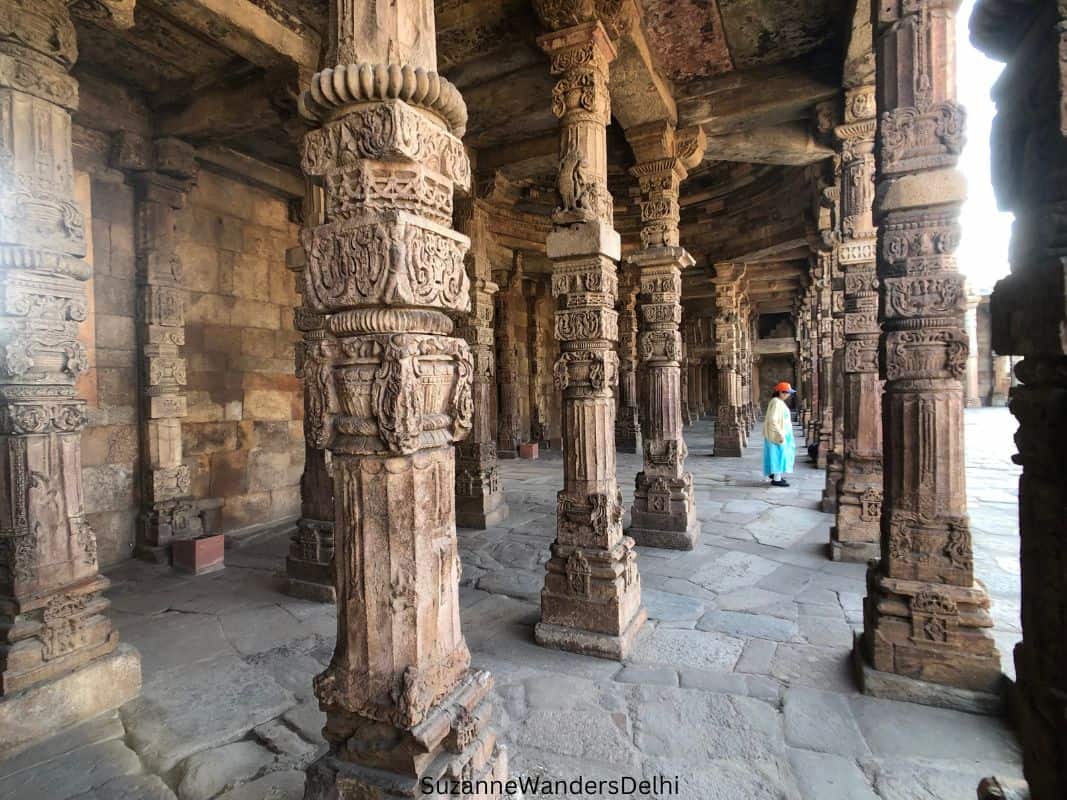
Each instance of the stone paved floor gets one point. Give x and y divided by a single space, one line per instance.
740 687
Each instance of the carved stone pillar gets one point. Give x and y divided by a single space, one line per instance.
59 656
591 602
627 425
855 534
1001 380
509 416
824 423
309 567
971 324
163 173
925 617
390 392
1029 316
479 498
801 318
687 414
744 368
728 440
663 513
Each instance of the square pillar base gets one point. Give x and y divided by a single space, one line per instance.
854 552
665 539
47 708
479 513
591 643
890 686
308 590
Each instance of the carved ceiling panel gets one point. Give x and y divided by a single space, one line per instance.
769 31
688 38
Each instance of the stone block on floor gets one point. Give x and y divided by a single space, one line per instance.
199 556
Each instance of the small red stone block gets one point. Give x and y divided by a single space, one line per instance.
529 450
198 556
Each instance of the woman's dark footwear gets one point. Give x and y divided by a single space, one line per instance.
780 483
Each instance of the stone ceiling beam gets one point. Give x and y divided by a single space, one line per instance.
287 183
790 144
246 29
225 112
760 96
638 94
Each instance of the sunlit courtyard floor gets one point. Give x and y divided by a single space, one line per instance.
741 686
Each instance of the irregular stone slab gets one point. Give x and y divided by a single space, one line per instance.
307 720
746 507
174 638
913 779
286 742
819 667
783 527
669 607
734 570
749 625
205 774
829 777
722 682
292 668
73 773
787 579
822 721
255 630
660 676
288 785
699 726
101 729
559 692
728 780
100 686
759 601
532 763
184 711
130 787
904 729
514 583
757 657
828 631
688 648
586 734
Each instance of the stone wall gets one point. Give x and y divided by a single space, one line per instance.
110 442
772 370
243 436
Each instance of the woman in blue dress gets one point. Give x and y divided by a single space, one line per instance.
779 447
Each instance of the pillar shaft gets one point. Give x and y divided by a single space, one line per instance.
1028 319
479 497
389 394
627 425
53 618
663 513
509 414
924 617
854 536
309 566
591 601
728 436
971 392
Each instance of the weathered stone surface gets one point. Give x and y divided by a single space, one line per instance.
287 785
660 676
597 736
130 787
101 686
208 773
823 722
749 625
77 772
165 724
830 777
683 648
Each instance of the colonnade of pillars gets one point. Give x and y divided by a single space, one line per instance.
391 391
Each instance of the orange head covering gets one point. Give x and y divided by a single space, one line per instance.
784 386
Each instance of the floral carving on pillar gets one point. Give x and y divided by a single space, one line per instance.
664 514
729 436
52 610
855 534
389 394
925 617
598 612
